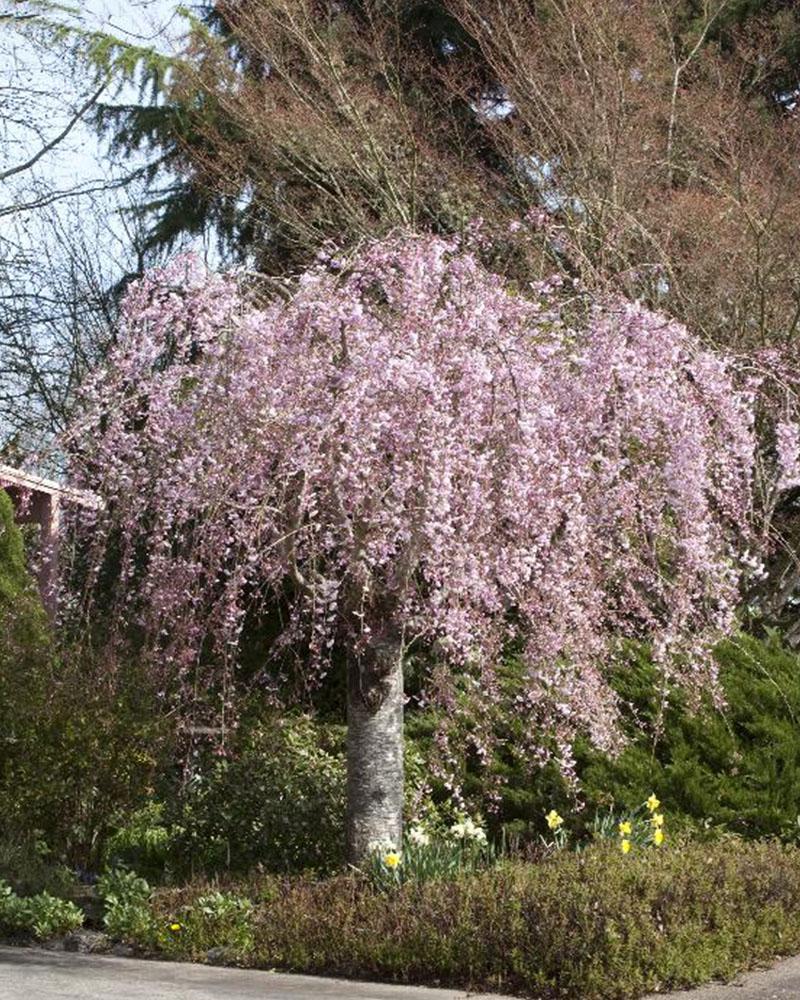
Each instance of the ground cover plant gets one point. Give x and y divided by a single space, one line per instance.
44 916
601 924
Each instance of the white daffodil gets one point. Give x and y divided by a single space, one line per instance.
418 836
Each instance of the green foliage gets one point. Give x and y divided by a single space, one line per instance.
215 920
639 828
110 59
735 769
24 633
525 792
142 842
599 925
119 885
82 743
27 863
46 916
42 915
277 801
127 915
225 919
427 856
14 579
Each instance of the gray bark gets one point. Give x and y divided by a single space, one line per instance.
375 749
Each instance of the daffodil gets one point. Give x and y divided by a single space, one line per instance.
624 828
653 803
657 820
625 846
554 821
418 836
658 837
392 859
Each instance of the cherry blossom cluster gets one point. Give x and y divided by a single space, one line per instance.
410 445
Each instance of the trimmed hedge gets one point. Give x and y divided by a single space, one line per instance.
596 924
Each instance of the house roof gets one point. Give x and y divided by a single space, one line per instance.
9 476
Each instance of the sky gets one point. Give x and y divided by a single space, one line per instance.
39 94
81 161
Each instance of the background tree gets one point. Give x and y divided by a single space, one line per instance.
663 145
60 287
660 146
70 225
408 456
290 125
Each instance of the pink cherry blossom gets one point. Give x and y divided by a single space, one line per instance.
410 440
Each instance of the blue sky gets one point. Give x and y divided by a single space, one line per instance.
81 159
39 92
51 88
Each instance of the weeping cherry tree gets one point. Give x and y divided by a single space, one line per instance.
408 453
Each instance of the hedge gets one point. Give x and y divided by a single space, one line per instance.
594 924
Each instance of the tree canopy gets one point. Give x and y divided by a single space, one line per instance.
409 448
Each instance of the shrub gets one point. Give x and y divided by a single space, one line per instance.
127 915
43 915
81 739
600 925
15 581
80 742
84 744
277 801
46 916
27 863
596 924
142 843
736 769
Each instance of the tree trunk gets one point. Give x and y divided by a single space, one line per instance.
375 749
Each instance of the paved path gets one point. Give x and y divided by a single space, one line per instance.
781 982
31 974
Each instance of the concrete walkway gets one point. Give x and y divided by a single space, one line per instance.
780 982
31 974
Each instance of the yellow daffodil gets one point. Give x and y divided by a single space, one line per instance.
658 820
392 859
658 837
554 821
624 828
625 846
653 803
